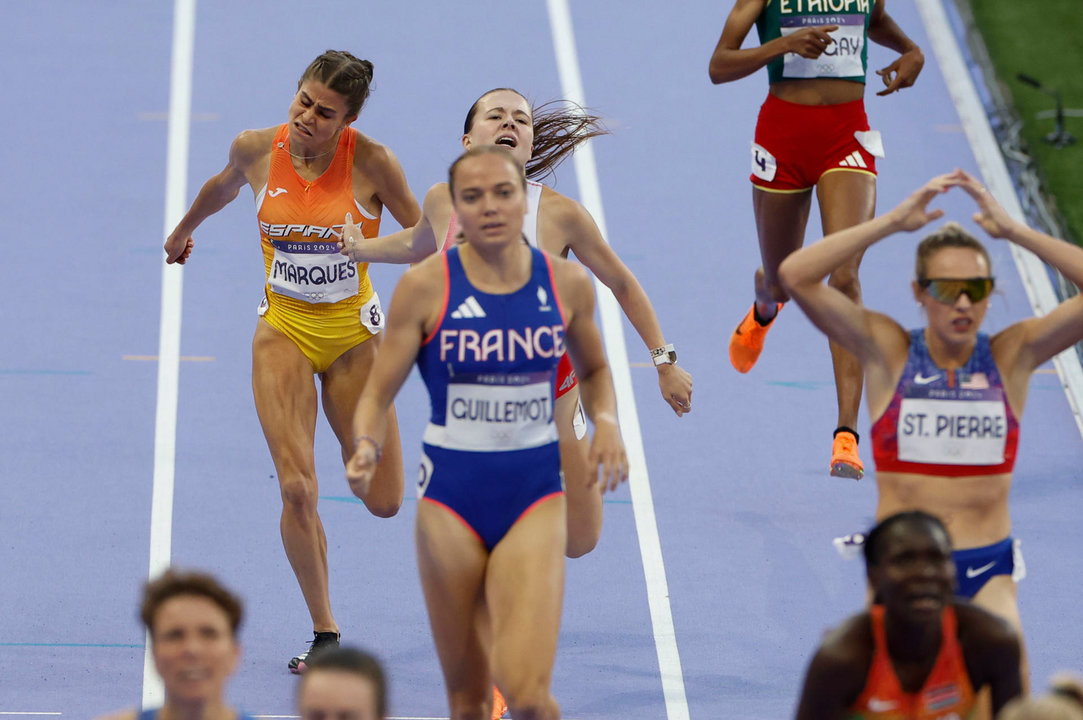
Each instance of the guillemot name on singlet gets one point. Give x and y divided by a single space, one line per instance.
490 362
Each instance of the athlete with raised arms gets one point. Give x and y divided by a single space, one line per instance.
946 399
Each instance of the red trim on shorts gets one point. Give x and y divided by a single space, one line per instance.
533 505
443 309
459 517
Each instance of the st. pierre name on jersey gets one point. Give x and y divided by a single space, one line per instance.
801 7
502 344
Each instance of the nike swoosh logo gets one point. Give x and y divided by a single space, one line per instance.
974 572
922 380
276 192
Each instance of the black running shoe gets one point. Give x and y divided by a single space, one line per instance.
322 642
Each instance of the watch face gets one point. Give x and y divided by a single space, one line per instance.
666 354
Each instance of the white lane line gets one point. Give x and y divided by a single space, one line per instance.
650 546
165 422
994 172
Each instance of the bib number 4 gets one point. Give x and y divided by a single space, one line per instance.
763 163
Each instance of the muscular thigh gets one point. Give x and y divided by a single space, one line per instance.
1000 596
524 588
574 451
780 225
846 198
285 396
452 562
342 384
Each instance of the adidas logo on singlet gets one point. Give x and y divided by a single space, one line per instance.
854 159
469 308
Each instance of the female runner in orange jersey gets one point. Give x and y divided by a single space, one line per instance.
319 312
918 653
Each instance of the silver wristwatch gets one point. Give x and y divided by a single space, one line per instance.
665 355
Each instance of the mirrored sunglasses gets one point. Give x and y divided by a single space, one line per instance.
948 290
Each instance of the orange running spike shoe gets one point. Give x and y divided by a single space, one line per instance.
844 459
500 707
746 342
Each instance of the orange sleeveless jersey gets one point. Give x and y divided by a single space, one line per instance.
300 223
946 695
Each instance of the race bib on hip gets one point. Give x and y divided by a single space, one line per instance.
497 412
579 420
871 140
763 163
424 475
952 432
312 271
840 59
372 315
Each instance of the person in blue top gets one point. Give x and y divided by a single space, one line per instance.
812 132
946 400
192 621
487 323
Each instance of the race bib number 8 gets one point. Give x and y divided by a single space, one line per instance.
372 315
841 58
952 432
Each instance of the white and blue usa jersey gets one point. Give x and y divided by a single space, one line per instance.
491 361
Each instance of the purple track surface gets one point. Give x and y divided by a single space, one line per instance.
746 511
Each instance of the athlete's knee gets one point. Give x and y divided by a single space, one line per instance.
299 494
579 546
846 281
467 706
583 536
533 701
382 498
383 507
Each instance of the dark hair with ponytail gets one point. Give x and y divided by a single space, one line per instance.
560 126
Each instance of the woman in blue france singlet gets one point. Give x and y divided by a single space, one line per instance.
487 323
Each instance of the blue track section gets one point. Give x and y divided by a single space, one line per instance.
746 511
